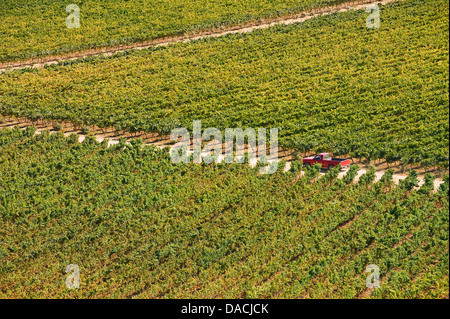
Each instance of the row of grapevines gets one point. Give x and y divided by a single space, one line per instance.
36 28
139 225
328 84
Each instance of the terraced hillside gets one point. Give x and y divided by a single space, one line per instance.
140 226
329 84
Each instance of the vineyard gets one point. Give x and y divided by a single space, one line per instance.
140 226
329 84
37 28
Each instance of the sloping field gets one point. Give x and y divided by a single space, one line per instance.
112 138
41 61
138 225
33 28
329 84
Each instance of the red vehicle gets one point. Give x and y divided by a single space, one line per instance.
326 160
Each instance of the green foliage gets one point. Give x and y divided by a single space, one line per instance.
85 130
333 173
428 184
139 225
444 187
116 22
387 177
410 181
368 177
296 166
367 93
297 155
311 172
351 174
58 127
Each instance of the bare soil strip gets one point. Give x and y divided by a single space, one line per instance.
249 27
161 142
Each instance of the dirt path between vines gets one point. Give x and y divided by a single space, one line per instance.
248 27
161 142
